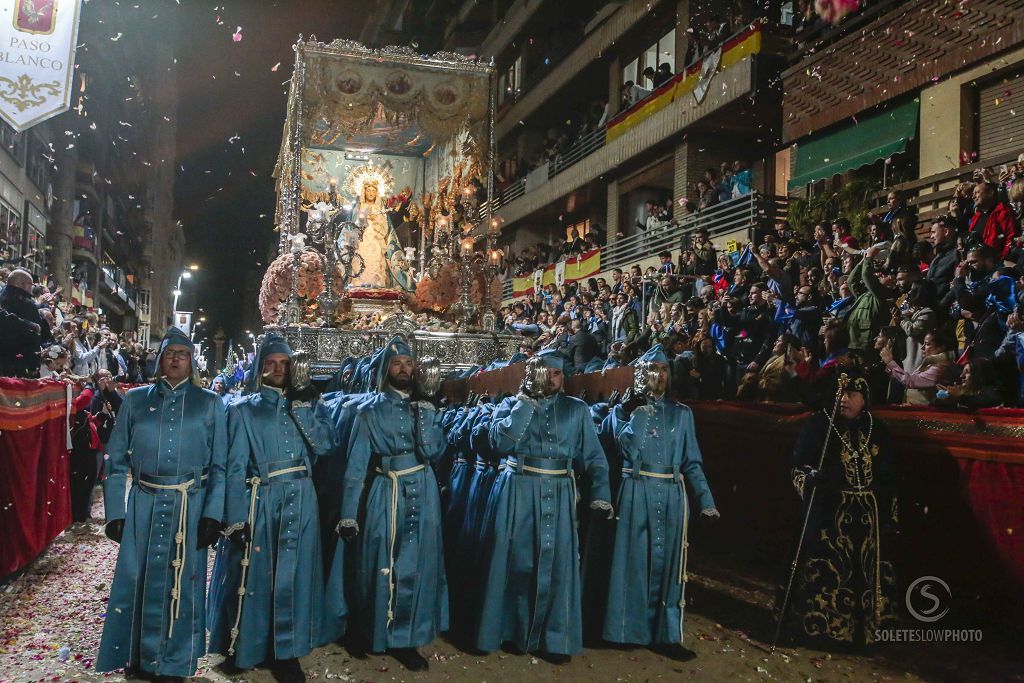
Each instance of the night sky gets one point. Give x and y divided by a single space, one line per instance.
231 112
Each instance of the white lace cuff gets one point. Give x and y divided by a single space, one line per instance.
425 405
348 524
232 529
603 505
528 399
710 512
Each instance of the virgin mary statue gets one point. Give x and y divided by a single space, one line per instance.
379 243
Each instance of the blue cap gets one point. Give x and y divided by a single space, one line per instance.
655 354
398 346
611 364
175 336
552 358
272 343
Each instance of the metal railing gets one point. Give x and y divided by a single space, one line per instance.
748 212
929 196
587 145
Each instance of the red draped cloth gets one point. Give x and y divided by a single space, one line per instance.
960 487
35 502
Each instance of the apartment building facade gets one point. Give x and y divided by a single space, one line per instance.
90 192
914 95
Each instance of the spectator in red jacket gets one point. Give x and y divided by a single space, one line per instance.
993 223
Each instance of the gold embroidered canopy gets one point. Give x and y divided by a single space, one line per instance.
389 101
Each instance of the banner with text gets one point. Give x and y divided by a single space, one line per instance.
37 59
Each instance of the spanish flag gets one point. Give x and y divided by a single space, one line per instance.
735 49
586 265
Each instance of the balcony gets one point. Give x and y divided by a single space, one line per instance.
116 286
730 221
540 85
929 197
581 150
668 111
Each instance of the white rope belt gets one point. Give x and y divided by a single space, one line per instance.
645 473
180 538
254 483
540 470
393 475
684 544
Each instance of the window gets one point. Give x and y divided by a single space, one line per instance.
631 71
38 166
582 229
35 240
510 81
10 230
143 302
667 50
662 51
13 142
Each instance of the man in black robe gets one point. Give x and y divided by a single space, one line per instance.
844 587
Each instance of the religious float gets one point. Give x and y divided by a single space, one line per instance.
384 183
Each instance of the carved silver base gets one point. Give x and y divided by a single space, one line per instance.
455 350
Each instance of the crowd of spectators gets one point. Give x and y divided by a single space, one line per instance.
730 181
933 315
43 335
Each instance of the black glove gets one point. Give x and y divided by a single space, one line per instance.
241 537
209 533
346 531
114 530
812 479
307 395
601 515
708 518
631 401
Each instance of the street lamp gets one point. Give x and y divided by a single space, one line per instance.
185 274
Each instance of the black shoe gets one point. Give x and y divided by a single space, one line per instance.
674 651
554 658
286 670
409 657
355 646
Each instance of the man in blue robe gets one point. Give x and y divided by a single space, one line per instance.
270 603
531 593
400 591
658 443
171 436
